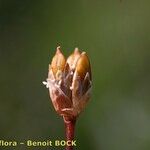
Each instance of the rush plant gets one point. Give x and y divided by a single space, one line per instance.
69 82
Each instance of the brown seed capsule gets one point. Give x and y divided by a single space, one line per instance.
73 58
83 65
58 62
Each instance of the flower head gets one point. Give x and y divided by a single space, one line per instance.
69 82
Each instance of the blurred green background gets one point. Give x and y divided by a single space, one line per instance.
116 36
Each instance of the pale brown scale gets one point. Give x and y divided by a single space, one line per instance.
58 62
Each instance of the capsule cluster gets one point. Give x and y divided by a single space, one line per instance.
69 82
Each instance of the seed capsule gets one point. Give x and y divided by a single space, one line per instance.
83 65
58 62
73 58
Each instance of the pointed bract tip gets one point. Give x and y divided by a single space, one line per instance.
83 53
76 50
58 50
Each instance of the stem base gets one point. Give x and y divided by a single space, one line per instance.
69 129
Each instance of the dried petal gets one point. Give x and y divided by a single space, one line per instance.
86 83
59 99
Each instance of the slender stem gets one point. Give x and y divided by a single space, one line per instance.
69 129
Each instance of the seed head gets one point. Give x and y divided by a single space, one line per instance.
69 82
